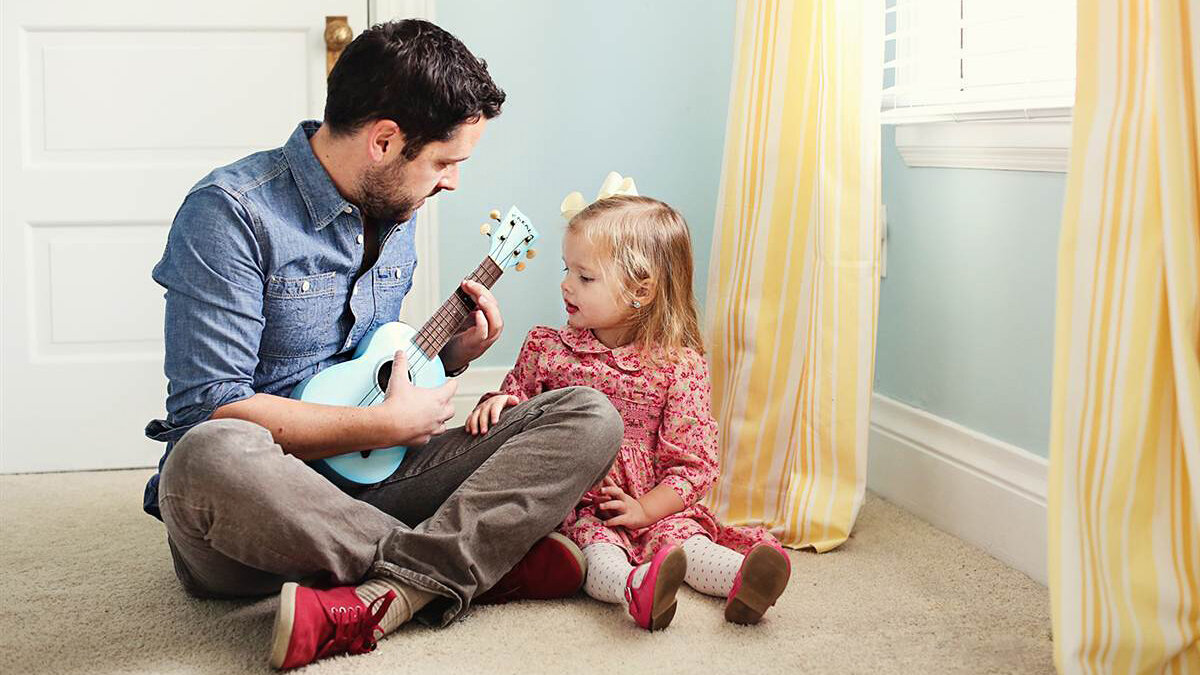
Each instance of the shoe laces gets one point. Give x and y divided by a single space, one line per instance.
354 627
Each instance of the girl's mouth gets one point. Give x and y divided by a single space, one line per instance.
571 309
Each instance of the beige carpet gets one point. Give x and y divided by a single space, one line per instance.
87 587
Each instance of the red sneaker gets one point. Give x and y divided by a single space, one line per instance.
312 624
553 568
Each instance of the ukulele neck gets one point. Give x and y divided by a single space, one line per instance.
446 321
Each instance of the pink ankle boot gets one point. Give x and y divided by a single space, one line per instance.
652 601
758 584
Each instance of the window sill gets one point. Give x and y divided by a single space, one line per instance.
1012 145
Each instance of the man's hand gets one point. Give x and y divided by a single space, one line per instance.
472 342
488 412
418 414
622 508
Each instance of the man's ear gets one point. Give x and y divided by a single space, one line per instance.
385 141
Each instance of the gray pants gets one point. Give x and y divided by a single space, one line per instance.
242 517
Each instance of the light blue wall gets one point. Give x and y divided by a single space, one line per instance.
634 86
966 313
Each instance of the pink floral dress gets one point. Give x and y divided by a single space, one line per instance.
670 435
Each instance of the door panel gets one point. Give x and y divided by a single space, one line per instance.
111 111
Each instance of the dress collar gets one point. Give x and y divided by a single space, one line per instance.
584 341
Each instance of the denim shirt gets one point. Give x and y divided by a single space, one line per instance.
262 286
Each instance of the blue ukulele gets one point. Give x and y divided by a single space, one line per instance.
363 380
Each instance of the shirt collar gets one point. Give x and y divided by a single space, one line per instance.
320 195
584 341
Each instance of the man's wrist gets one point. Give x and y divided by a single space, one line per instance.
388 424
451 365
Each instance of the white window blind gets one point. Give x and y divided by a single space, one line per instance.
978 59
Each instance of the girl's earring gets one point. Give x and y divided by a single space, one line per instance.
637 304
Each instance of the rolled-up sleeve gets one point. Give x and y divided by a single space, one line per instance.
212 272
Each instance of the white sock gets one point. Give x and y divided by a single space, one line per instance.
409 600
711 567
608 569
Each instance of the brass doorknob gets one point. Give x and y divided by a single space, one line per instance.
337 35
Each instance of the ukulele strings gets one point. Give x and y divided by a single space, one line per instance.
375 393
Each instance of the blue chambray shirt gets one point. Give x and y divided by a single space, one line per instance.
262 287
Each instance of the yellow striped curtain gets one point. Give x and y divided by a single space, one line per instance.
1124 496
793 281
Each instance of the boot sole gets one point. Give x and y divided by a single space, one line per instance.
284 620
666 587
574 551
764 577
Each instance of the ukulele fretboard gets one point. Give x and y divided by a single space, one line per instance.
445 322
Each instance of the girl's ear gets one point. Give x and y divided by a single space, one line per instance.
645 291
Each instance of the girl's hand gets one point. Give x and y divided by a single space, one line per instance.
487 413
629 512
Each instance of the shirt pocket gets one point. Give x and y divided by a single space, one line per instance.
395 278
301 315
392 283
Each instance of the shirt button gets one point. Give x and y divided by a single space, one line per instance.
359 239
348 209
397 272
305 286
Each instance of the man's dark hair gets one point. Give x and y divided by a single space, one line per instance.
412 73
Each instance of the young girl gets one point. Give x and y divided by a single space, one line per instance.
632 333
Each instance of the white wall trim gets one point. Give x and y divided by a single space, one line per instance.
471 385
387 10
1024 145
980 489
478 381
423 299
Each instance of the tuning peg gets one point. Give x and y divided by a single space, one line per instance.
530 253
520 267
485 229
494 214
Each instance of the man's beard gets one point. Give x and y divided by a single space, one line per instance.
379 199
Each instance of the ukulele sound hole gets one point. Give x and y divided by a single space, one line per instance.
384 375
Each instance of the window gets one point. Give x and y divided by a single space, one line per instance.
987 62
978 59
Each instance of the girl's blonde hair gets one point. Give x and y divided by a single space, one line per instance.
643 241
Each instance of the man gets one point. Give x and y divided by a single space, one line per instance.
276 266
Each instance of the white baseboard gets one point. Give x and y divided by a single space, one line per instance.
471 385
982 490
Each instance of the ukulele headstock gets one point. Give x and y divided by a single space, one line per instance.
512 238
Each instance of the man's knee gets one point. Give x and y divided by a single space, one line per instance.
600 428
211 451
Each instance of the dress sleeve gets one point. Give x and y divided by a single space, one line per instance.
687 437
523 380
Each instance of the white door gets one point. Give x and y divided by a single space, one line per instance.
110 112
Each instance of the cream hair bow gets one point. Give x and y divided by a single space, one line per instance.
613 184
